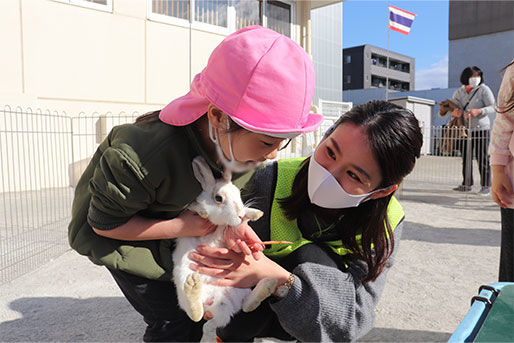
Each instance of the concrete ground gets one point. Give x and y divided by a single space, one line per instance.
450 246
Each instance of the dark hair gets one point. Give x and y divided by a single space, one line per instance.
152 117
395 139
510 103
468 72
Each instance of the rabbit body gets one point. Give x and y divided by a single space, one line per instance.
220 202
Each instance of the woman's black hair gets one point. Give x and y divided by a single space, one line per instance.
395 139
468 72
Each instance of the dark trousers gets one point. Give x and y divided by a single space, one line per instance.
479 146
157 302
507 246
263 322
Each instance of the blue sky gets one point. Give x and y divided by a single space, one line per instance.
365 22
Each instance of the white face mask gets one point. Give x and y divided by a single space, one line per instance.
233 165
474 81
325 191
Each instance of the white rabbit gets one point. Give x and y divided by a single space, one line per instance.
220 202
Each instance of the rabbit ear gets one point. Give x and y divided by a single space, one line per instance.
227 175
203 173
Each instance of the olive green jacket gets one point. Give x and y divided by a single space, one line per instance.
140 170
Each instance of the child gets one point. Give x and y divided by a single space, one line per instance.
132 199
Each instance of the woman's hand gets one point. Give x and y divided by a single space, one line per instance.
457 113
501 189
235 269
243 239
473 112
190 224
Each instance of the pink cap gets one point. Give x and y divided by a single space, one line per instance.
263 80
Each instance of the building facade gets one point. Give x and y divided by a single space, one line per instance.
481 33
366 67
103 56
326 38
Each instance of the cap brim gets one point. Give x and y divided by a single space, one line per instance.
313 122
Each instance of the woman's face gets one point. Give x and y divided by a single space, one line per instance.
347 155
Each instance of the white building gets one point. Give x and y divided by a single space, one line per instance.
124 55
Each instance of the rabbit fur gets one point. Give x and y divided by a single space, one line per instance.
220 202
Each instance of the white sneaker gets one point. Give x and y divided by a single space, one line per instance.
485 191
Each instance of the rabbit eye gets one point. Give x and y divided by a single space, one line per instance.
218 198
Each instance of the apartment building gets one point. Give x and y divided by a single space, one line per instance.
366 66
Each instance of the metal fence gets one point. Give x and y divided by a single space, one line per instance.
43 153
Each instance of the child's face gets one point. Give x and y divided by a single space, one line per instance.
249 146
347 155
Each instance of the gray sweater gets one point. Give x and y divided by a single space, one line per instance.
325 304
483 99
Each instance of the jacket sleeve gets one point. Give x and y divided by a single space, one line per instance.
457 97
118 189
488 100
327 304
504 123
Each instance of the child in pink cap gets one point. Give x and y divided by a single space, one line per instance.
131 201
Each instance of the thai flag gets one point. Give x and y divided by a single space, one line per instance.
400 20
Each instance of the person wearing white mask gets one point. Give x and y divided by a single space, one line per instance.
476 101
337 210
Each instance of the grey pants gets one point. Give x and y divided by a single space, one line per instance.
507 246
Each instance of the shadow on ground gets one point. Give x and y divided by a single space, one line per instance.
56 319
468 236
449 199
397 335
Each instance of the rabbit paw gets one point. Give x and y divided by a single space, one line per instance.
253 214
264 289
193 291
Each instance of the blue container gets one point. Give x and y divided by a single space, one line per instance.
491 316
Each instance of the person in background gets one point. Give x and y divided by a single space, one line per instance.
476 102
502 165
338 210
131 201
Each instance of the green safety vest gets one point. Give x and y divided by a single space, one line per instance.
283 229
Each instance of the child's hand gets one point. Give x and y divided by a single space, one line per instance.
243 239
192 225
501 189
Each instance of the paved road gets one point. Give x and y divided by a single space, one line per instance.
449 248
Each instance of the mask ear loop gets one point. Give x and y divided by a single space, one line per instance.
213 134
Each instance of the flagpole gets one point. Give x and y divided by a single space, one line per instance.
387 59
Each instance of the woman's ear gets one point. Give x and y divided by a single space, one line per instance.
384 192
216 117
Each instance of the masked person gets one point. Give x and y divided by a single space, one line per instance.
338 210
131 202
476 101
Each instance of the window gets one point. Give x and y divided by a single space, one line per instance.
171 8
348 78
102 5
209 15
278 15
348 59
213 12
248 12
224 16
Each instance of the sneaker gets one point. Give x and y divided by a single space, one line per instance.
462 188
485 191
